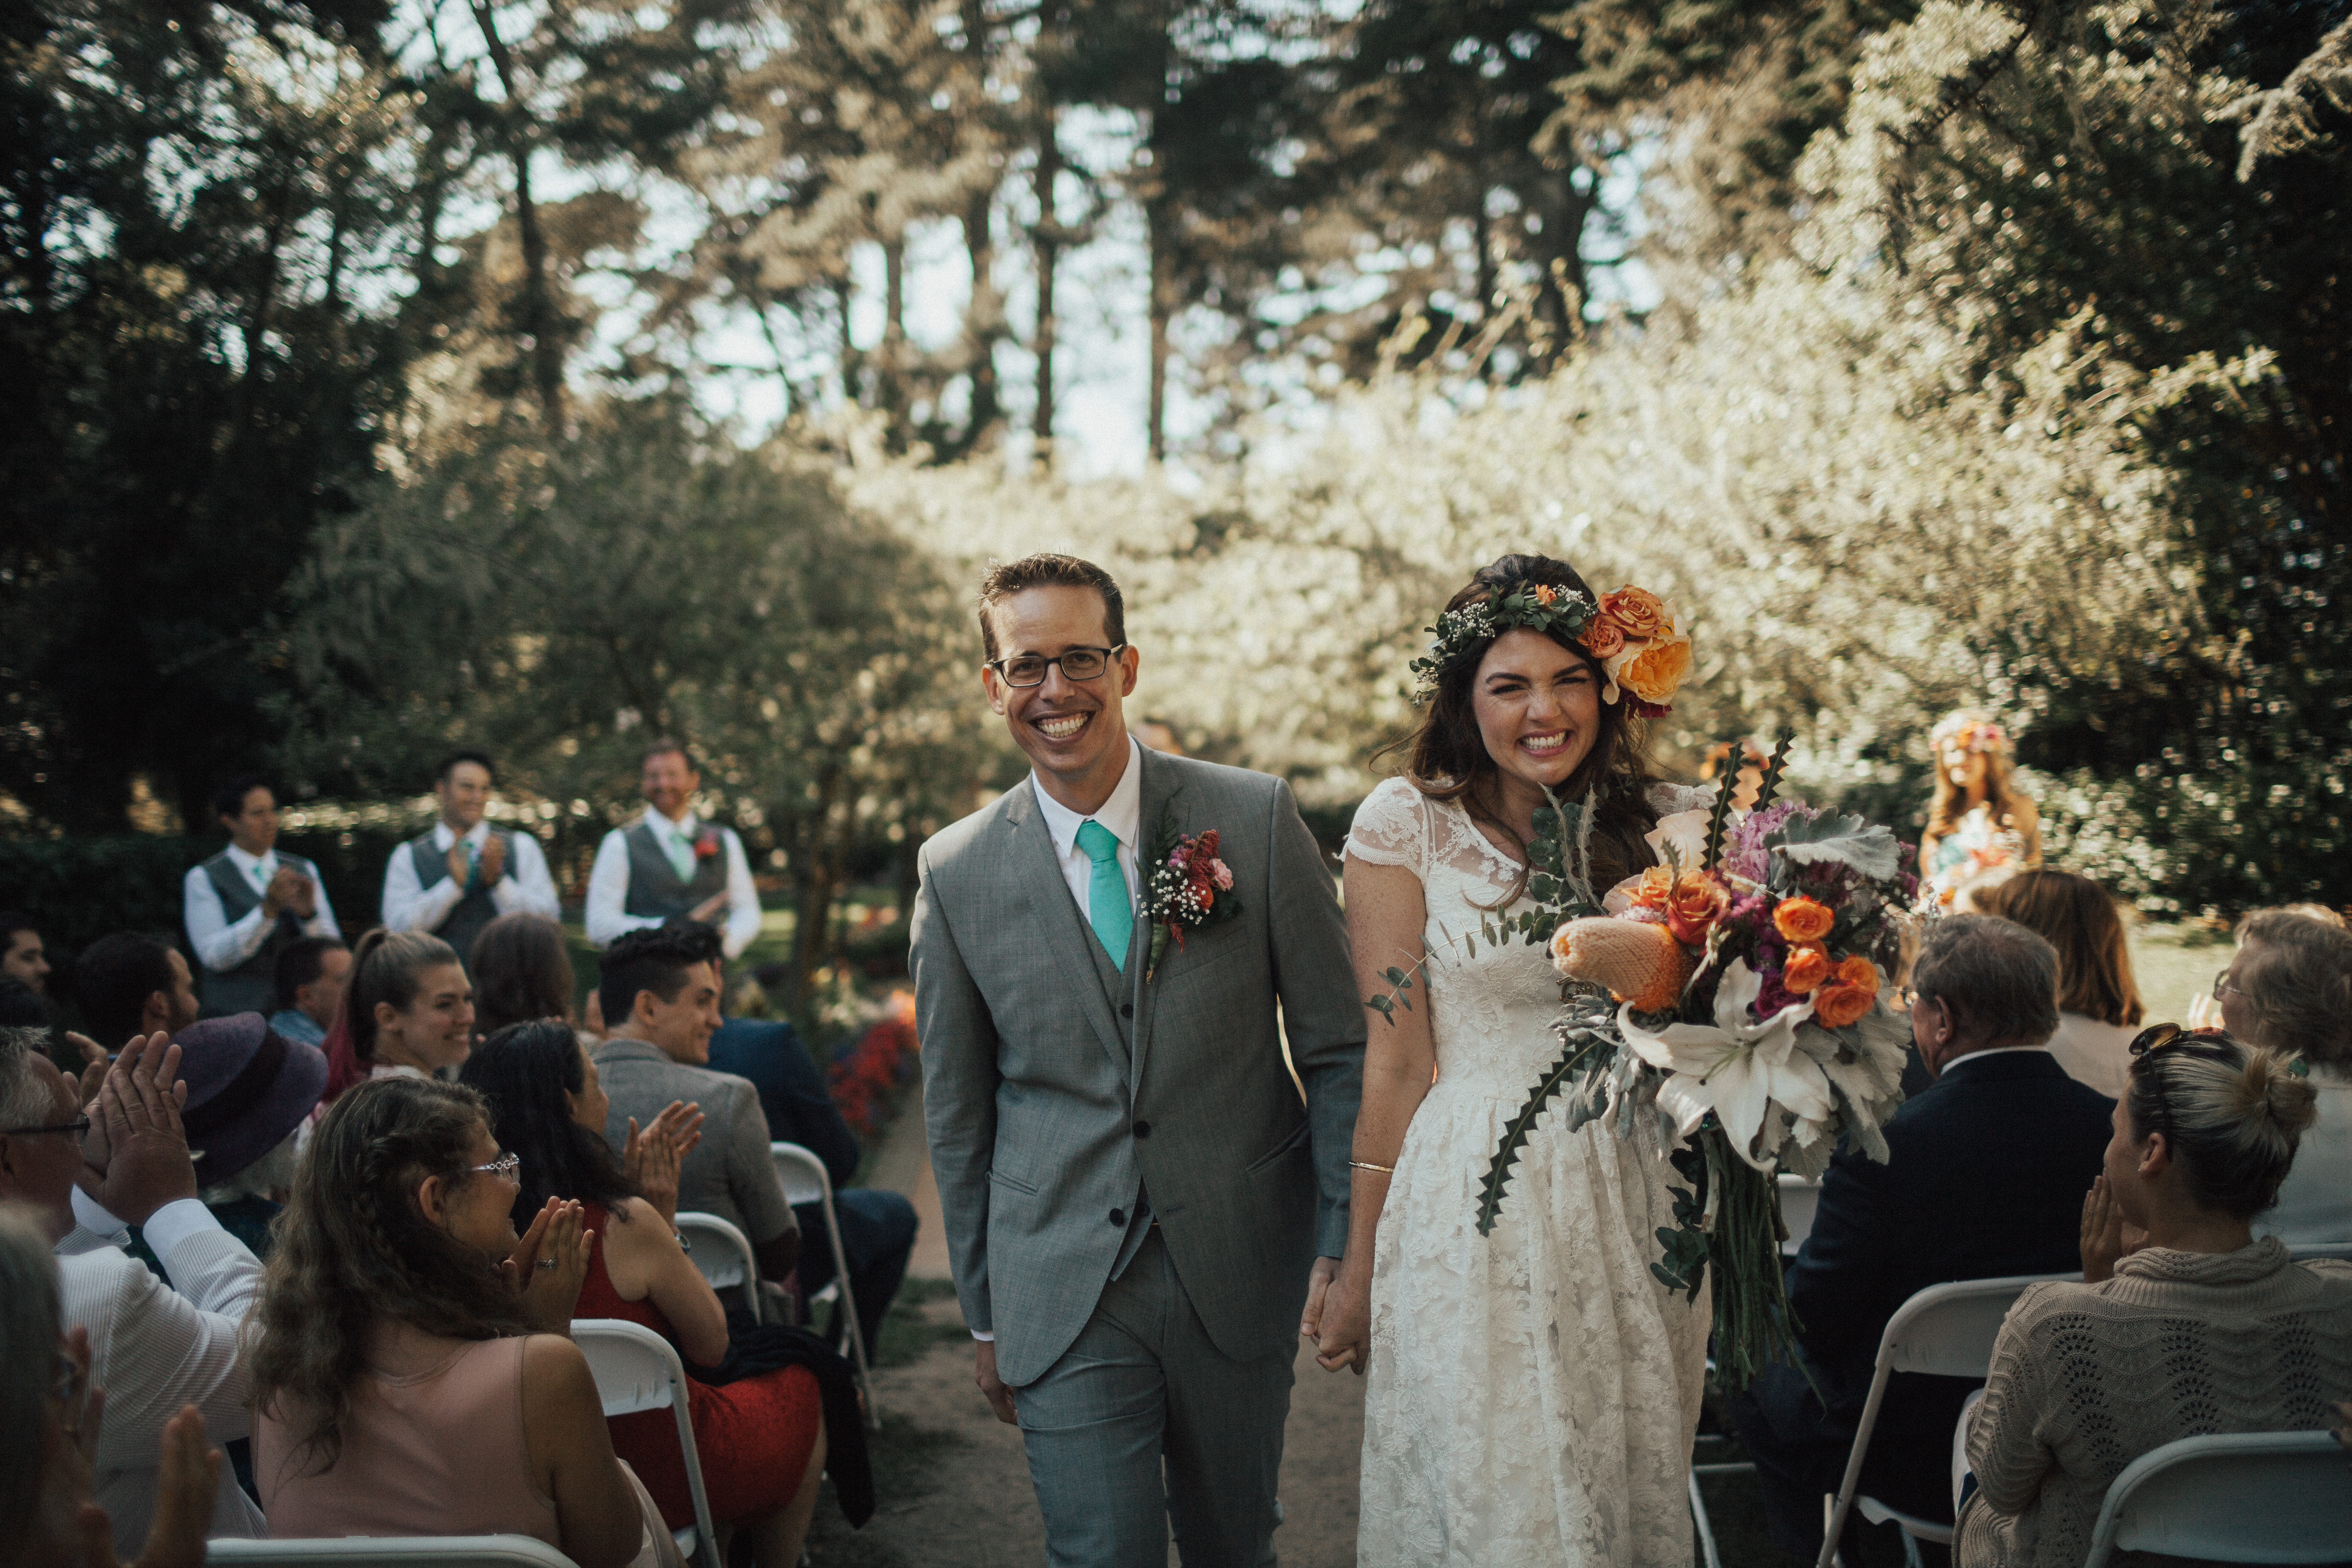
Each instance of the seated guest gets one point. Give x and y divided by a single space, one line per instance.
2098 1004
660 998
249 1091
311 978
22 956
250 902
411 1374
408 1012
129 985
2288 989
878 1227
521 973
47 1512
464 874
1982 1180
159 1348
761 1439
2198 1329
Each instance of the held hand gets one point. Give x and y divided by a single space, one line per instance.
2102 1233
1346 1327
146 1159
187 1480
1000 1398
649 1159
494 861
711 908
1318 1284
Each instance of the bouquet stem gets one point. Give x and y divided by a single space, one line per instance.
1753 1323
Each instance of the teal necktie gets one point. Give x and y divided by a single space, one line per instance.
1108 910
680 852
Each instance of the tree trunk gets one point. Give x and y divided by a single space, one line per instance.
1048 240
892 393
983 322
1157 221
539 314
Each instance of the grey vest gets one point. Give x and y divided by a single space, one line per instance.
476 910
1119 985
251 986
655 891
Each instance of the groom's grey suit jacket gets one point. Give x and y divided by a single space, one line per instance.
1056 1086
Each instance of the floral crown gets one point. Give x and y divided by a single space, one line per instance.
1643 653
1969 731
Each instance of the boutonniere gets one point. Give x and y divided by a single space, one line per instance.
1188 888
706 844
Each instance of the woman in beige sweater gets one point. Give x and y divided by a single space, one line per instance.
2184 1324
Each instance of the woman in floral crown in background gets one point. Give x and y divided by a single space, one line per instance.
1979 821
1532 1391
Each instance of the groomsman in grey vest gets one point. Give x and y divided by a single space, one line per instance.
465 873
249 903
670 863
1143 1207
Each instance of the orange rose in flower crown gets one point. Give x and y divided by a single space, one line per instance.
1641 612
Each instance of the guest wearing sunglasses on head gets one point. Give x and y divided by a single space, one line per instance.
2184 1324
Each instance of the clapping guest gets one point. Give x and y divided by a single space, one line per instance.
670 863
250 902
2198 1329
249 1091
311 975
412 1371
2099 1003
521 973
463 874
761 1439
131 984
54 1413
2288 989
408 1010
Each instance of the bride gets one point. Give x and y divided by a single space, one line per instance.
1533 1392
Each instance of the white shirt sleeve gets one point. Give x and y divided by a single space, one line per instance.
94 1227
608 892
407 906
527 888
743 898
220 946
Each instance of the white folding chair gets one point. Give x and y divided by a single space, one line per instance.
1800 1199
2311 1250
2242 1497
805 1182
723 1256
391 1552
1946 1331
636 1368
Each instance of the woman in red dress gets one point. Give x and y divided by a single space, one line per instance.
761 1439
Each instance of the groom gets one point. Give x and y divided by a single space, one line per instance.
1138 1200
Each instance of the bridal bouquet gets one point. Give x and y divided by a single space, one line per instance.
1735 990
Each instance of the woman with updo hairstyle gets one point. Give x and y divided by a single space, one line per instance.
407 1010
1531 1394
2098 1002
413 1372
2184 1324
521 973
2289 988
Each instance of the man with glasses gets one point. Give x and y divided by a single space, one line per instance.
1984 1177
1141 1205
162 1347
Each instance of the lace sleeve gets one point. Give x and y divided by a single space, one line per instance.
1392 828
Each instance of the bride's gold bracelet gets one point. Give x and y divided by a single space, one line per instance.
1368 1165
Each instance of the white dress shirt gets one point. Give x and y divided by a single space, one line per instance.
525 889
607 915
154 1348
1121 815
221 946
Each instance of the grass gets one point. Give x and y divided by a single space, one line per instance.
905 1455
2174 964
909 1332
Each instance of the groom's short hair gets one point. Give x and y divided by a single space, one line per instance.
1046 570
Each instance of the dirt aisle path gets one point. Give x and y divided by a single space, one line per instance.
952 1482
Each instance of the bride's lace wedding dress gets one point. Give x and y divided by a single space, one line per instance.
1532 1392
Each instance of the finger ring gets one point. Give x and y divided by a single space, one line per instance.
545 1263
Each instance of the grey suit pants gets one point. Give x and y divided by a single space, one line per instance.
1143 1386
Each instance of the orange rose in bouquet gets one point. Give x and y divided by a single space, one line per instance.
1848 994
1696 902
1807 968
1800 919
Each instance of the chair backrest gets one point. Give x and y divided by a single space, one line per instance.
1948 1329
392 1551
802 1172
636 1368
720 1252
1801 1198
2321 1250
2244 1497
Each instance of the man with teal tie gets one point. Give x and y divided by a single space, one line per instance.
670 864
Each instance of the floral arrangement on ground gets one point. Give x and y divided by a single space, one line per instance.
1735 992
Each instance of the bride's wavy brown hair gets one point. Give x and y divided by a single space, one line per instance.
1445 757
354 1249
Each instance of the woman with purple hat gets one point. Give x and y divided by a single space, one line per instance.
249 1090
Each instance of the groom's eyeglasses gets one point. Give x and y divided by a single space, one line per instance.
1077 664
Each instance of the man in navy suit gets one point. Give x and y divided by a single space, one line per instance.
1986 1176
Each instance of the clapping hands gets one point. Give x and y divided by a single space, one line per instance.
136 1157
549 1264
2106 1237
650 1160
